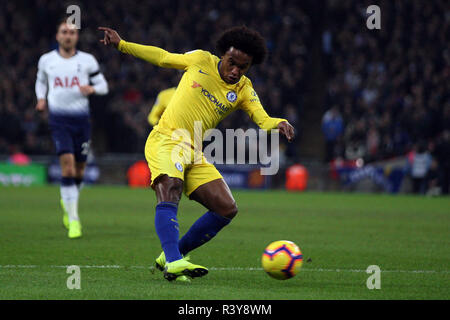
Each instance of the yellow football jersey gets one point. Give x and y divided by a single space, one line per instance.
161 103
202 97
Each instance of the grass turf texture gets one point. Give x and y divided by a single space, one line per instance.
406 236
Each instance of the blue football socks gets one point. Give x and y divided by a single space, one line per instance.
203 230
166 226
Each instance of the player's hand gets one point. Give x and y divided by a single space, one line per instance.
110 36
41 105
87 90
287 130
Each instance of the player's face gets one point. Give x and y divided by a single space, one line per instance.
67 36
234 65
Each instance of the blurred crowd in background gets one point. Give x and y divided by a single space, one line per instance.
385 92
388 91
120 119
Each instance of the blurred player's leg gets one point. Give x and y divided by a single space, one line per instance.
79 174
65 214
70 194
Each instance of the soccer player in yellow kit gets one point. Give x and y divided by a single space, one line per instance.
210 89
161 103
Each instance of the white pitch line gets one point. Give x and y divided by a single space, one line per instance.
21 266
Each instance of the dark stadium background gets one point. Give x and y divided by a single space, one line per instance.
389 88
366 105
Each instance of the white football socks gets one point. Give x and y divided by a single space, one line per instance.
70 195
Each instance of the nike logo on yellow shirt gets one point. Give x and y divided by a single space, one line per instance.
202 72
195 84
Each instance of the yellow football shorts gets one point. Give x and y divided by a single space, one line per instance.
177 159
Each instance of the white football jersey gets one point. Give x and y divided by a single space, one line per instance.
59 80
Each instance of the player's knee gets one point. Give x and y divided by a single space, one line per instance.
175 192
79 172
68 171
67 164
169 190
230 210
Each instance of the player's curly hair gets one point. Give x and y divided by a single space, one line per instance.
247 40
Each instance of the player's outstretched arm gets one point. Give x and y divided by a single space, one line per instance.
257 113
154 55
286 130
110 36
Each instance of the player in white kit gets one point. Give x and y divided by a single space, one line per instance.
66 77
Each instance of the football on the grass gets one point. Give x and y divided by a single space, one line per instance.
282 259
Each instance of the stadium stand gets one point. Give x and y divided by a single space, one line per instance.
119 120
390 87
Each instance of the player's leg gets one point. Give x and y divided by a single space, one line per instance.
167 181
80 167
217 198
168 185
168 173
70 194
168 194
80 132
63 141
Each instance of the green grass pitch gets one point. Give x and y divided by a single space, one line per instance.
341 234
